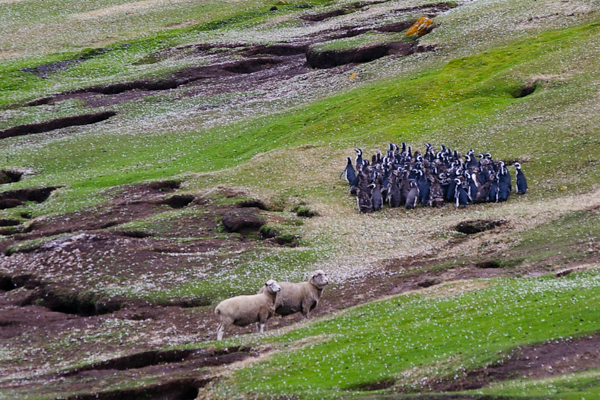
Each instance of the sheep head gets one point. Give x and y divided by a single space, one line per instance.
272 286
319 279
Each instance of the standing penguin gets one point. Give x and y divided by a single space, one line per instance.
413 195
348 173
376 198
424 185
393 196
404 187
521 181
494 188
483 193
363 195
504 184
359 158
461 196
436 194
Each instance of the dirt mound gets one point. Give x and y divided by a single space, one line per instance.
243 220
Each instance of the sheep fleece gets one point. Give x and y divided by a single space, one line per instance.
295 297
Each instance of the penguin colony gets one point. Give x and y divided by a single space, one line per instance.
402 178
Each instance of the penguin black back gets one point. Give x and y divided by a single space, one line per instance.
521 180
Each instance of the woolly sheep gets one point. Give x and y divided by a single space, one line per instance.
300 297
245 310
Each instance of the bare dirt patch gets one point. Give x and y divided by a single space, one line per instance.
15 198
333 58
481 225
544 360
59 123
174 374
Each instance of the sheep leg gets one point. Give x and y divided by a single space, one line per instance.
261 327
223 326
220 332
306 307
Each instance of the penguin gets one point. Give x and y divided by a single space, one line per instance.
404 187
348 173
424 186
483 194
356 180
471 161
436 194
460 194
521 181
504 184
363 195
413 195
363 198
472 185
359 159
376 198
444 184
394 190
450 194
493 196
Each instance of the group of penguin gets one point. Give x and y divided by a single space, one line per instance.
403 178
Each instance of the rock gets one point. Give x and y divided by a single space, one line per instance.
243 220
420 28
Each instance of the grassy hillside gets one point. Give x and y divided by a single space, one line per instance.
203 101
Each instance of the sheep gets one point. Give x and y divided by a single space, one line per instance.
300 297
245 310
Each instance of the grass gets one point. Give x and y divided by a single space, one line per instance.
446 332
289 152
466 91
355 42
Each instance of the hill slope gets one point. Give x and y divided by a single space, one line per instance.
132 131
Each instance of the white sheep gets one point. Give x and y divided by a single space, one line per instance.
245 310
300 297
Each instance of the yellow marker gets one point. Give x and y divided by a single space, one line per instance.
353 76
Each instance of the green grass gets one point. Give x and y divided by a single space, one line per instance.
429 105
567 239
410 336
354 42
